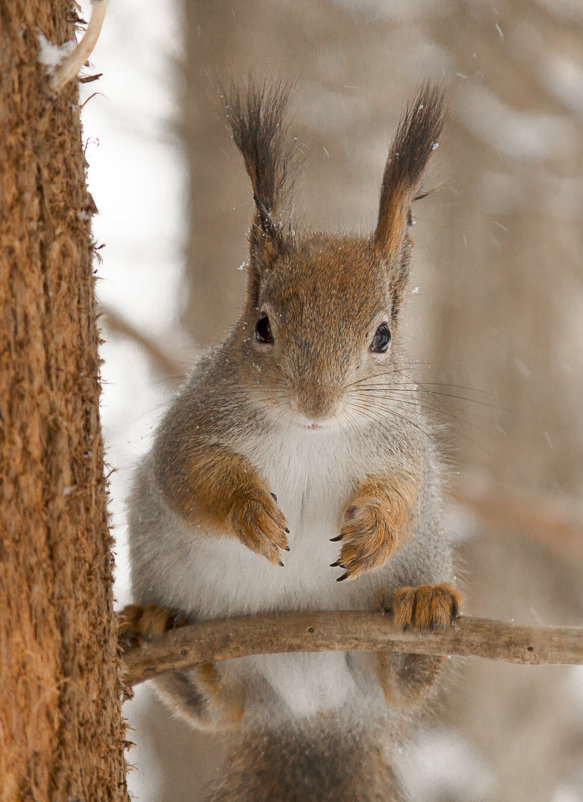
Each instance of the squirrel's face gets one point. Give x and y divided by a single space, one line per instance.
324 323
319 330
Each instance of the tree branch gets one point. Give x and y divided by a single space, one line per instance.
345 630
70 67
169 367
552 521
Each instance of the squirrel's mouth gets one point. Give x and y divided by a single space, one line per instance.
313 427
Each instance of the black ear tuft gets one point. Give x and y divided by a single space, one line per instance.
415 140
256 115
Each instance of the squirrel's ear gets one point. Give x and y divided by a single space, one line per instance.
416 138
256 116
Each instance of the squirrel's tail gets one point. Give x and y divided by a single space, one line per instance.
300 765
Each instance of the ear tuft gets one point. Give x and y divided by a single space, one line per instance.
416 138
256 114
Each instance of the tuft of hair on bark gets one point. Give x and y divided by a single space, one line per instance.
256 114
416 138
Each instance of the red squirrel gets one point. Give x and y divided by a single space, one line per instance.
295 470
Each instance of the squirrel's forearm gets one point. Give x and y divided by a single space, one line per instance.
203 487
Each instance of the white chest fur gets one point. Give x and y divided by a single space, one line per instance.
312 476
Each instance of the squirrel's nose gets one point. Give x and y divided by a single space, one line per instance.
317 402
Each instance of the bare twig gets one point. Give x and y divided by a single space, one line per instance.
547 520
171 369
222 639
69 69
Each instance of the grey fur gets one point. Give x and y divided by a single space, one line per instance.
323 295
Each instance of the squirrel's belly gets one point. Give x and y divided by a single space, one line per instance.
313 485
232 580
224 578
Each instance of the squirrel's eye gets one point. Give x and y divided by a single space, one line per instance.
263 329
382 338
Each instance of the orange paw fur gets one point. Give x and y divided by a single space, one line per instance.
425 607
260 525
137 623
368 537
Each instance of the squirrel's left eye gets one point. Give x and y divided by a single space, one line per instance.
382 338
263 329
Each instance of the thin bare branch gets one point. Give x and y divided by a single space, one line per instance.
345 630
69 69
551 521
169 367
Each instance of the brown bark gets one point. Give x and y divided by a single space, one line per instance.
348 630
61 733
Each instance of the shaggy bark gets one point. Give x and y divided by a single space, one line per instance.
61 733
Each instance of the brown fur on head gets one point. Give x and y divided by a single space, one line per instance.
324 296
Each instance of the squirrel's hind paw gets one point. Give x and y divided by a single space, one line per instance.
137 623
425 607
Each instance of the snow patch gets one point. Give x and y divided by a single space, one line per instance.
52 55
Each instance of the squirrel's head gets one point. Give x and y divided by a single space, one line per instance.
322 315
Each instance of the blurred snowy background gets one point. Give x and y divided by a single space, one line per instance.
495 314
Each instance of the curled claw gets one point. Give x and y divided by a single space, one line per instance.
260 525
367 535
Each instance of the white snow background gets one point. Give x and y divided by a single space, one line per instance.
137 179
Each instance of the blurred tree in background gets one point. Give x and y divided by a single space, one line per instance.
495 317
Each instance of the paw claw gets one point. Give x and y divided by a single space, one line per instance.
367 535
260 525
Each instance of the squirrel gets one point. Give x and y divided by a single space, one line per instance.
295 470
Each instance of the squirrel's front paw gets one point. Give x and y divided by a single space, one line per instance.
422 607
260 525
137 623
367 536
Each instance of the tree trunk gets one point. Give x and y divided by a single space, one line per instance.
61 733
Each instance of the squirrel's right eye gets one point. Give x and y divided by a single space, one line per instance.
263 329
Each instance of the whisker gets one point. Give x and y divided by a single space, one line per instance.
411 380
389 393
390 411
386 404
424 386
417 387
